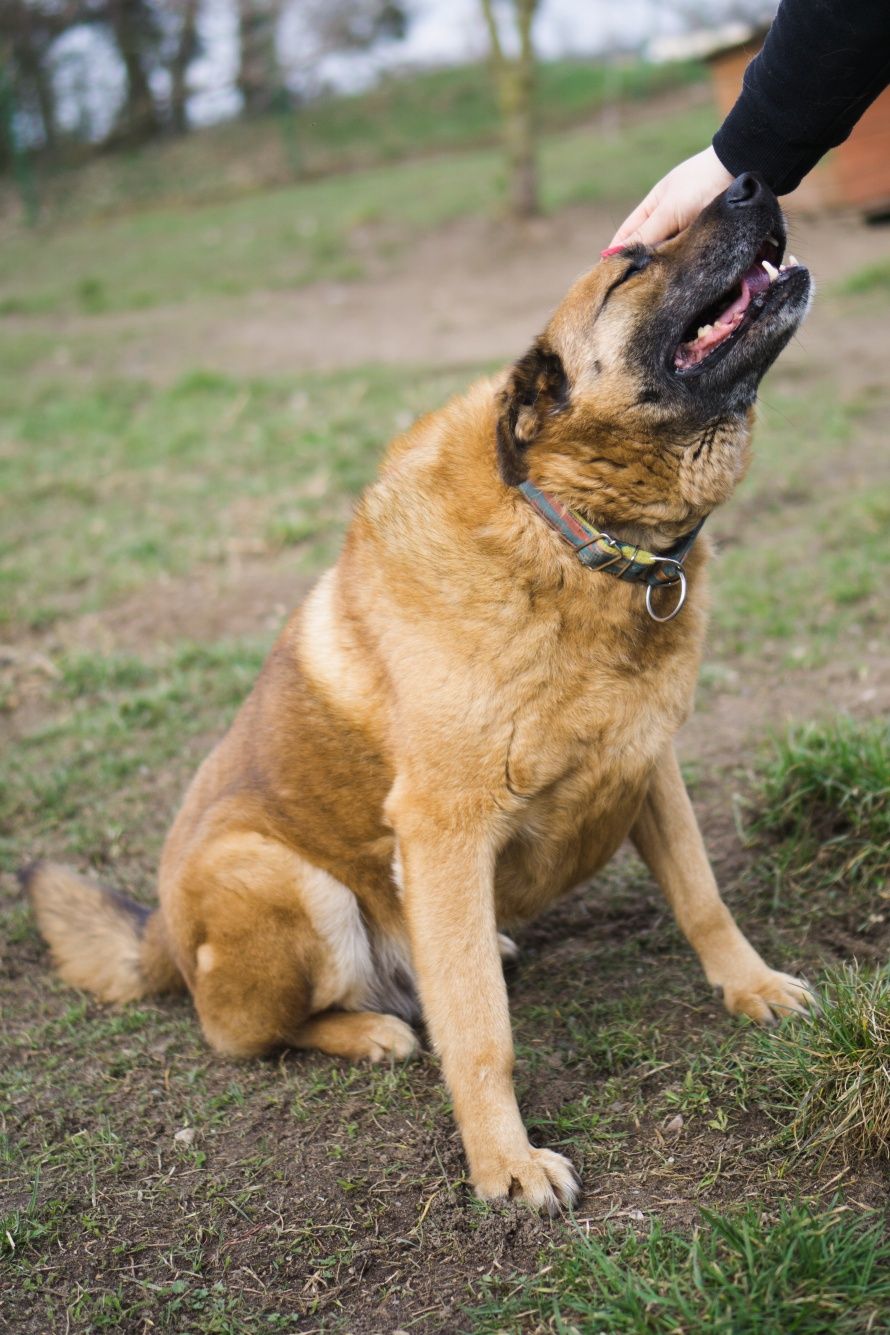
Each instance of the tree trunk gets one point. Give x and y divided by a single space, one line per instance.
515 85
46 99
140 115
33 71
179 66
257 71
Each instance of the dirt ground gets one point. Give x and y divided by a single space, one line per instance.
474 291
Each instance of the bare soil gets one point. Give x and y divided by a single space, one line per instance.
476 290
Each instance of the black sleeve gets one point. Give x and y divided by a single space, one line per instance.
822 64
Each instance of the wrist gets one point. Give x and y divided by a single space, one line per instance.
721 172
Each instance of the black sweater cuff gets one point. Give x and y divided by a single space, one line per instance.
822 64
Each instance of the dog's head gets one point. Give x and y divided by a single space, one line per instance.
635 403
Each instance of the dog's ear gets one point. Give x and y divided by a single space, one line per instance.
537 388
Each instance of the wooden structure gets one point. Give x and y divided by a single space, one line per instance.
856 175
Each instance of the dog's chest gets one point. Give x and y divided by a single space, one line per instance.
587 760
587 720
582 745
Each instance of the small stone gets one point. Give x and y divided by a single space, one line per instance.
675 1125
185 1135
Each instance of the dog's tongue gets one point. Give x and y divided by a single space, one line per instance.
754 280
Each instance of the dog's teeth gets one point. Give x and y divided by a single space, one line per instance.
792 262
771 270
705 329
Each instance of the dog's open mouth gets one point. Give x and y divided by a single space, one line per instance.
724 320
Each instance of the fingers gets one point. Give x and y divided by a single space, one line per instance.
626 232
675 201
657 226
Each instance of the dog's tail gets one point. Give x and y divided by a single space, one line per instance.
100 941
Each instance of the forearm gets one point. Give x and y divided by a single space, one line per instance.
822 64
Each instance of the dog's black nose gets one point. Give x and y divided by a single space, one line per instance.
747 189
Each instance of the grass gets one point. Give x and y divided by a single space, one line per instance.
456 107
406 116
802 1271
767 595
832 1077
327 229
110 720
110 484
872 280
825 800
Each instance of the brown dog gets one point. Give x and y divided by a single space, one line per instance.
462 721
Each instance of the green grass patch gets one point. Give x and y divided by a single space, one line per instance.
872 279
800 557
455 107
86 775
825 798
830 1078
107 486
802 1271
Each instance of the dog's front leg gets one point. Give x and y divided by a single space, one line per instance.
667 836
448 870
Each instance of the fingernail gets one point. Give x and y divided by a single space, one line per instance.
612 250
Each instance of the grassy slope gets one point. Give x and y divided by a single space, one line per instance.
331 228
307 1194
402 117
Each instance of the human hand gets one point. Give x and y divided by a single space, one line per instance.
673 203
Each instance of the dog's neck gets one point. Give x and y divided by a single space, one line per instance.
658 537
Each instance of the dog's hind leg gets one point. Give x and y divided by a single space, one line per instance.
279 955
358 1035
667 837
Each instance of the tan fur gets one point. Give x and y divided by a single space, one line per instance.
460 724
96 941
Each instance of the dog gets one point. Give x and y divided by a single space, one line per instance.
475 706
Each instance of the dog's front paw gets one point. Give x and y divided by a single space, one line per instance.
542 1178
768 996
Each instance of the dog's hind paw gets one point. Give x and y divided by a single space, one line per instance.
358 1035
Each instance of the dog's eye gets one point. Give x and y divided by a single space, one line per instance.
637 264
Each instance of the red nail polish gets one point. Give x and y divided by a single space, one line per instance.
612 250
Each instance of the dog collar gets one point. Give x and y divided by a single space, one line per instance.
599 551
